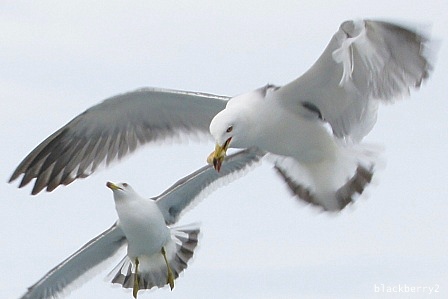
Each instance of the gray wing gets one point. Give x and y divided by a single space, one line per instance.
365 62
114 128
203 181
77 265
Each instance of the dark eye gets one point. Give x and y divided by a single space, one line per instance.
125 184
229 129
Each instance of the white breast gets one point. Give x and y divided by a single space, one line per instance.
144 226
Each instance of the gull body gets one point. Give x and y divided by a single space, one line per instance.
302 149
141 221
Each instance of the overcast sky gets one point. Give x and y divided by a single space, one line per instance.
58 59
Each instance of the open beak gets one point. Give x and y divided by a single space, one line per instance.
217 156
112 186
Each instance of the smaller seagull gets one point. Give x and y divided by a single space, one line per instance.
149 239
156 252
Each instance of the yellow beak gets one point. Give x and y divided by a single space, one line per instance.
112 186
217 156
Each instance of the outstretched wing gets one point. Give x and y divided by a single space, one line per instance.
78 265
203 181
365 61
114 128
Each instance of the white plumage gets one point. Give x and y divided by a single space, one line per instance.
141 221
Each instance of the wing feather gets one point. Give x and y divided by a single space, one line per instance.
203 181
78 265
113 129
365 62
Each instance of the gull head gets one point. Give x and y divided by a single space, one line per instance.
230 129
121 190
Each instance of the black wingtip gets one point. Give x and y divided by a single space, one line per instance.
12 179
15 175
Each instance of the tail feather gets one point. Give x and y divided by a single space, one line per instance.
123 275
354 186
152 269
331 184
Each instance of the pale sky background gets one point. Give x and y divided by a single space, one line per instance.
58 58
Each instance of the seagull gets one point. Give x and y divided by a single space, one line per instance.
156 252
312 127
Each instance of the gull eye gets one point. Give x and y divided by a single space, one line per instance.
229 129
125 184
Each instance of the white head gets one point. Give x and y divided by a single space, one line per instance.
228 126
233 127
122 191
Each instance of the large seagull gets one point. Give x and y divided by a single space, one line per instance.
312 126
